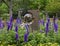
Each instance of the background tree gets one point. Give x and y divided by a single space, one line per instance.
53 7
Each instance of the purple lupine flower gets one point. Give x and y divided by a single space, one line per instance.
11 19
55 24
55 27
1 24
27 28
47 28
42 21
25 37
16 36
16 28
48 20
18 21
47 25
9 25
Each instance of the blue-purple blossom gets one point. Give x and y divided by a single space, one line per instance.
47 28
10 22
18 21
1 24
27 27
55 24
11 18
55 27
47 25
9 25
48 20
16 28
42 21
16 36
25 37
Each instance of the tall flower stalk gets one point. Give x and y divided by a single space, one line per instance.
55 24
9 24
16 28
26 37
47 28
27 33
16 36
27 28
47 25
1 24
42 22
56 27
19 21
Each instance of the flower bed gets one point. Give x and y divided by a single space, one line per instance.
34 39
17 36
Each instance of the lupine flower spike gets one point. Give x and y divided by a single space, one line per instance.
9 26
55 25
47 28
16 28
42 21
16 36
27 28
1 24
25 37
47 25
18 21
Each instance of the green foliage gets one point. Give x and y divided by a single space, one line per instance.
3 8
38 4
34 38
42 15
53 7
3 11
